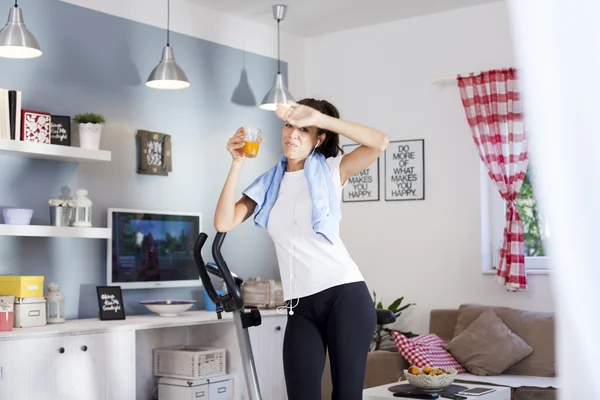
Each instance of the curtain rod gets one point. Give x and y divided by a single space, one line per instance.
445 80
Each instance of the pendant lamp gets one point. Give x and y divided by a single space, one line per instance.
167 74
16 41
278 94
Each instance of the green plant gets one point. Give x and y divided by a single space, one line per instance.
91 118
381 332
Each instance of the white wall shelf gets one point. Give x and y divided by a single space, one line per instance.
54 231
52 151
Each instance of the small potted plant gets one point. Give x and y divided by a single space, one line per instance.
90 130
61 212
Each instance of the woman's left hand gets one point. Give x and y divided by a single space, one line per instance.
299 115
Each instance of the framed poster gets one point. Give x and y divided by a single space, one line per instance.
110 302
405 170
154 153
363 186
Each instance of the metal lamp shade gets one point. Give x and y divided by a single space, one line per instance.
16 41
277 95
167 74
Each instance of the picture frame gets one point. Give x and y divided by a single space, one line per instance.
154 153
60 130
364 186
110 303
405 170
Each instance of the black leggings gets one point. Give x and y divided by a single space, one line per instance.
341 319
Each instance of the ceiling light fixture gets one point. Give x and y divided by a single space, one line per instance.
278 94
167 74
16 41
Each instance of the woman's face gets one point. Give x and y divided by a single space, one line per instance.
298 143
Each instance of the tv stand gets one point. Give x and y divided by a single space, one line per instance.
115 360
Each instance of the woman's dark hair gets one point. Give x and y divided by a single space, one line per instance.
330 147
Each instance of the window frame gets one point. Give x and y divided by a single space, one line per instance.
493 210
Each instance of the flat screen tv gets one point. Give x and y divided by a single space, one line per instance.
152 249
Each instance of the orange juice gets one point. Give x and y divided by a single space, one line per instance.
251 149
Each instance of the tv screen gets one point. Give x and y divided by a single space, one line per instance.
150 249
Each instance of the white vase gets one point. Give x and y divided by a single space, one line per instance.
89 136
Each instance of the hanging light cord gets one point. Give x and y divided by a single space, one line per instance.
278 47
16 5
168 19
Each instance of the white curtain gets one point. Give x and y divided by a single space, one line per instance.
557 46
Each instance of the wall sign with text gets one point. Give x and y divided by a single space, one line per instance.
363 186
110 303
405 170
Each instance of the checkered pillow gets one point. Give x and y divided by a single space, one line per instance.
425 350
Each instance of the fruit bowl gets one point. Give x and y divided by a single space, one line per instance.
168 308
430 379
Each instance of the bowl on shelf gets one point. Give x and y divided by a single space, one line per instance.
17 216
427 381
168 308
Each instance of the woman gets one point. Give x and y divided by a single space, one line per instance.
329 304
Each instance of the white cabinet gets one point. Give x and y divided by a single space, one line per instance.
267 347
95 366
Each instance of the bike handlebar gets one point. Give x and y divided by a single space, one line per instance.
233 300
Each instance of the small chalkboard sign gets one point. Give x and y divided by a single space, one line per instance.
110 302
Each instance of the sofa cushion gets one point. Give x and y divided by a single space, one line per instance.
487 346
535 328
425 350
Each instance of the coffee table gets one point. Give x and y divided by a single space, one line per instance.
382 392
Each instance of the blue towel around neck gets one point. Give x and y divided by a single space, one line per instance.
326 211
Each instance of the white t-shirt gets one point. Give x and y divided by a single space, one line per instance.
308 262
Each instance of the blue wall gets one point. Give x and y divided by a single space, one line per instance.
94 62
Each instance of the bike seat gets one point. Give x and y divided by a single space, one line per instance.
385 317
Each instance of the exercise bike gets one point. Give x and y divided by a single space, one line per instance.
233 301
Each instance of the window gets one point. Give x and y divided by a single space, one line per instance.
535 228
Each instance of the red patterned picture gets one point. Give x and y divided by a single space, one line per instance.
35 126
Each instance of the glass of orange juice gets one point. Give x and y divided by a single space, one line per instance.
253 136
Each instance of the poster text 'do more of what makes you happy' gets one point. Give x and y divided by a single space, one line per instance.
405 170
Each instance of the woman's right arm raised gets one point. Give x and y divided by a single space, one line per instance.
230 213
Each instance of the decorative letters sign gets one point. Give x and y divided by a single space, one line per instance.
363 186
405 170
110 301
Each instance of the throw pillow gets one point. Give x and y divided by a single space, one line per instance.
425 350
537 329
487 346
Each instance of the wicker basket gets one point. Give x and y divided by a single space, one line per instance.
189 362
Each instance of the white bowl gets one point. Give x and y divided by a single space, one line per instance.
168 308
433 383
17 216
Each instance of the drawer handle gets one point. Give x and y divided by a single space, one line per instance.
61 350
221 390
84 348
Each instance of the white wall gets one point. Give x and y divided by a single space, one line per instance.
201 22
429 251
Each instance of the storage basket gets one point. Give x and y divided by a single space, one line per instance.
189 362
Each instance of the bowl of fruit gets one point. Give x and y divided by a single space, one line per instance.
430 378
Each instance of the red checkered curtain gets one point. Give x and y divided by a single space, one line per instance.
493 108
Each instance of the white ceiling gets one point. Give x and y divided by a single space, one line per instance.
317 17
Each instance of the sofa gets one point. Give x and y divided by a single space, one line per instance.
528 337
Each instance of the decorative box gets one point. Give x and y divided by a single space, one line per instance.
22 286
30 312
35 126
262 293
7 314
217 388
